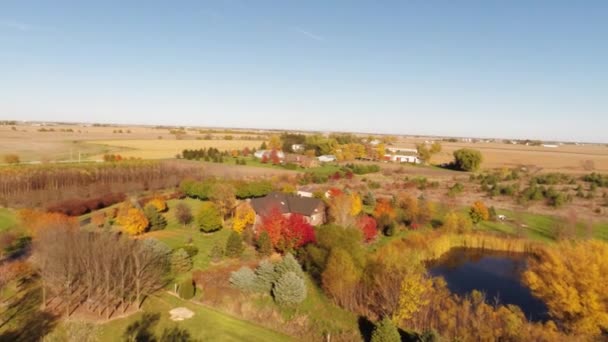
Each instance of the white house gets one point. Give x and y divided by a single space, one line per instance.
261 153
327 158
399 158
298 147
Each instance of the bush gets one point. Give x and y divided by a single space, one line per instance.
209 218
186 289
77 207
180 261
234 245
455 189
385 331
183 213
263 244
289 289
244 279
289 264
190 249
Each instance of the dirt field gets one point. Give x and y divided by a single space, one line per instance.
32 145
565 158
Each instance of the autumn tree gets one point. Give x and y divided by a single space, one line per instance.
181 261
384 208
243 218
454 222
183 213
413 287
134 221
356 204
209 218
263 244
342 208
368 227
425 153
274 143
340 277
272 224
572 279
223 195
467 159
159 203
479 212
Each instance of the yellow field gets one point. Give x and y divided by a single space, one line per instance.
163 148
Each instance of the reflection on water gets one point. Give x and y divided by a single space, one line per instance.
497 274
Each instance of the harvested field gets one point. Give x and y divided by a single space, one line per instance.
564 158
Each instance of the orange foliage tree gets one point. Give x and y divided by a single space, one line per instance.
159 203
384 208
479 212
35 220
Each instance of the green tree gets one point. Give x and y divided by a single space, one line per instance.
234 245
209 217
243 279
187 290
181 261
385 331
156 220
467 159
266 275
289 289
289 264
263 244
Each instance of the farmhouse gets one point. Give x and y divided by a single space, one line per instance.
313 209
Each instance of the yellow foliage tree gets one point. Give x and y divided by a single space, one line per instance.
411 298
454 222
356 205
159 203
134 222
572 279
245 216
275 143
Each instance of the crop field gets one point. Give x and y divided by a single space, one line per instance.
162 148
68 142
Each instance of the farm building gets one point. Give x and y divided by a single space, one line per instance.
327 158
400 158
313 209
261 153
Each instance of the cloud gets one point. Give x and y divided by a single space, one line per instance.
15 25
309 34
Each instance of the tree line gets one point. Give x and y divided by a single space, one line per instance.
102 272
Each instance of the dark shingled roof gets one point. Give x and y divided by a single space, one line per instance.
287 204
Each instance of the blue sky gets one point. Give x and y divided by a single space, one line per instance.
522 69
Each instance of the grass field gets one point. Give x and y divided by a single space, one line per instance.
165 148
7 219
206 325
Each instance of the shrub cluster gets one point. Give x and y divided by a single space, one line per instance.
361 169
77 207
597 179
284 280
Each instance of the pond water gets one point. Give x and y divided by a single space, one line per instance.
497 274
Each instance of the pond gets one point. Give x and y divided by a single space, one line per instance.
497 274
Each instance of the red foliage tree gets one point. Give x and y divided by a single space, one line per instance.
246 152
367 224
265 158
349 175
336 176
272 223
274 157
335 192
297 232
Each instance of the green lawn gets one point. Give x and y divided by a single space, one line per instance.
8 219
206 325
176 235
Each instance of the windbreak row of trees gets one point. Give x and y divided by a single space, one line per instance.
30 184
103 272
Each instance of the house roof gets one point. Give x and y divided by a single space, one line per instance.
286 204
